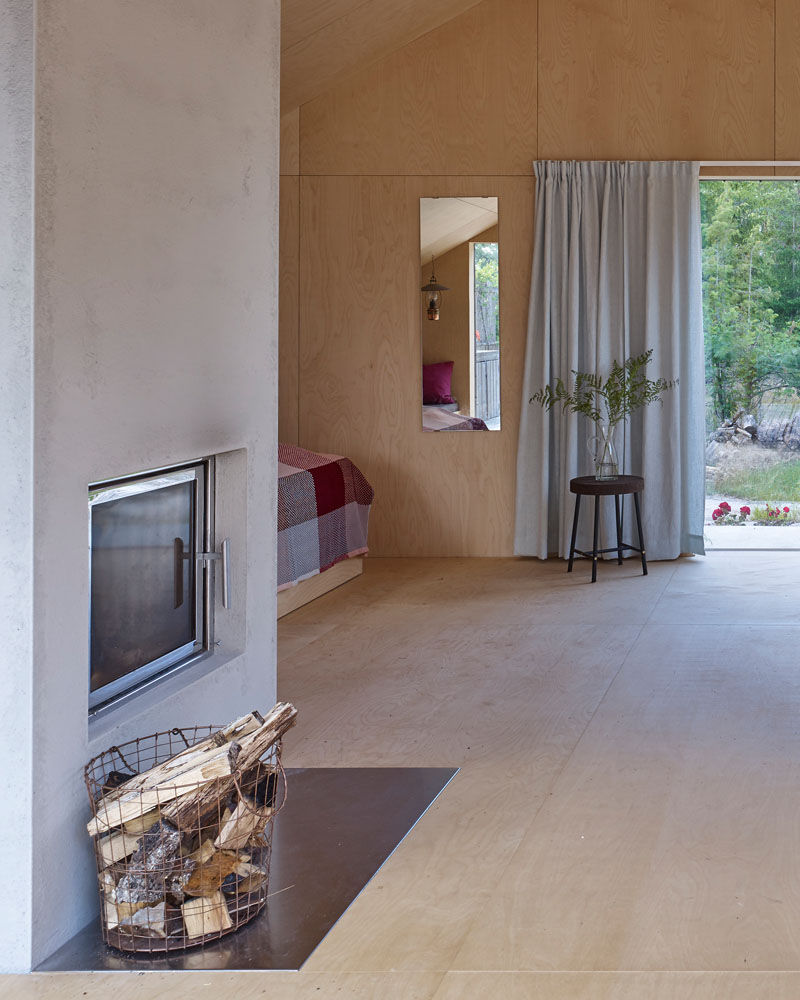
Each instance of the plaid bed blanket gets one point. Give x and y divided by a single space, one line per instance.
323 510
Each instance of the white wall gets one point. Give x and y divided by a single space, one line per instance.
16 482
155 342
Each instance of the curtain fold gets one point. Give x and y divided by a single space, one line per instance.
616 271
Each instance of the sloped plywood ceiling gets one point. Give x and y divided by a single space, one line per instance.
324 41
445 223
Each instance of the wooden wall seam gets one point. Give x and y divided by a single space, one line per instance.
674 79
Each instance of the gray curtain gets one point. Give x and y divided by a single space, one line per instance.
616 271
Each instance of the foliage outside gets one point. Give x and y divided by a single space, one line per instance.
751 294
625 390
759 482
487 294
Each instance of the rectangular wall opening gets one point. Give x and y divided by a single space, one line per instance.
751 317
151 589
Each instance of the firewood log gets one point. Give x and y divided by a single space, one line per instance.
108 884
145 880
175 765
114 779
247 818
141 824
112 914
153 921
171 781
133 802
203 852
245 878
209 876
116 846
189 809
177 880
206 915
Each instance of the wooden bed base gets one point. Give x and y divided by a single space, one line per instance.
309 590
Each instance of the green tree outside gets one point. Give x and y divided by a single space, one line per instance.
487 292
751 294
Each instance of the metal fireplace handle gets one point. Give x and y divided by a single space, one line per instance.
224 555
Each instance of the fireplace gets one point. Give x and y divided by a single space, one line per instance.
152 587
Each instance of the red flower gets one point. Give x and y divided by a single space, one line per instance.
717 513
785 510
744 510
725 506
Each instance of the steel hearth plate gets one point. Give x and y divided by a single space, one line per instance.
338 827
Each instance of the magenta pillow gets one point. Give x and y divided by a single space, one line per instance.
436 380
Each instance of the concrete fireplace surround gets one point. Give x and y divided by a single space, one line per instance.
138 329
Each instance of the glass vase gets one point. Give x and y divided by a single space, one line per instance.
604 455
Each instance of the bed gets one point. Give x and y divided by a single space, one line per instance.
435 418
323 513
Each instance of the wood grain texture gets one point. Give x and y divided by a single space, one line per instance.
674 814
360 387
290 142
323 583
656 79
362 34
143 985
628 793
620 986
787 83
460 100
302 18
288 317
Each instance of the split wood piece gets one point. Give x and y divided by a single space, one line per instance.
187 758
111 913
162 788
142 823
184 811
132 803
145 881
153 921
246 878
203 852
108 887
115 847
209 876
177 880
263 787
114 779
206 915
247 818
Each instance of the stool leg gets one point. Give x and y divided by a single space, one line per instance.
619 530
639 528
574 532
594 546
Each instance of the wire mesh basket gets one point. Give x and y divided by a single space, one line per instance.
182 826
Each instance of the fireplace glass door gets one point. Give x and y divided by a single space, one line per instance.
149 607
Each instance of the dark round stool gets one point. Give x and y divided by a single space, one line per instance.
588 486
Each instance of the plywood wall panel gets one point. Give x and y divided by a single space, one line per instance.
301 18
288 318
460 100
360 392
290 142
363 34
656 79
787 82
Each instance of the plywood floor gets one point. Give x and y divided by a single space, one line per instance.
626 823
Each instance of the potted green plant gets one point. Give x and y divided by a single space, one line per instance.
607 402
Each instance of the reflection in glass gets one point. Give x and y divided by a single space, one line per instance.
461 343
